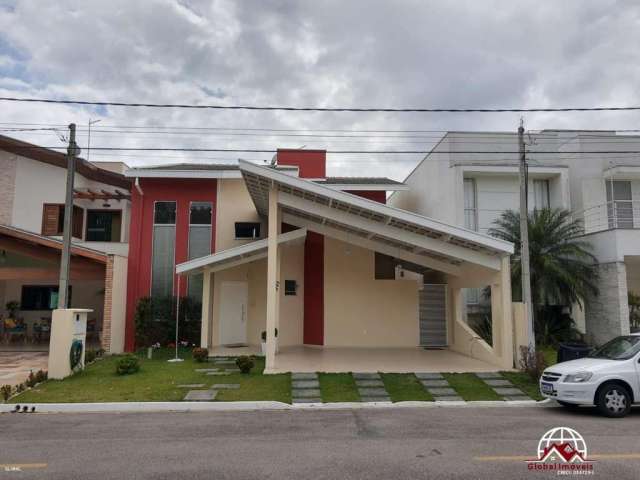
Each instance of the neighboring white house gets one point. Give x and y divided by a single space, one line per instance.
602 189
33 184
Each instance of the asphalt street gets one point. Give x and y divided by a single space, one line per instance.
398 443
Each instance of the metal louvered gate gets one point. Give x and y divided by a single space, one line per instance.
433 316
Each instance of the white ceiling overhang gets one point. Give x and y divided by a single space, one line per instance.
371 224
238 255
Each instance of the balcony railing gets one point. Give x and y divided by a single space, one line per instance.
611 215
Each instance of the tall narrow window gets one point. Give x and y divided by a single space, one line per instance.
541 194
470 205
163 256
619 204
200 215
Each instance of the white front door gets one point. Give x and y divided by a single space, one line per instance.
233 313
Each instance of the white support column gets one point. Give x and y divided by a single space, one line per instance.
502 314
207 306
507 312
273 268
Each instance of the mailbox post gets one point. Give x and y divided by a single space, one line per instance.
68 341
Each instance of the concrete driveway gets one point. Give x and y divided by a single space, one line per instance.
15 366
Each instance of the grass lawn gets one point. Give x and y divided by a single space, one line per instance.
405 387
525 383
338 387
157 380
470 387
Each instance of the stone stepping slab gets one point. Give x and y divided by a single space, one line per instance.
502 386
434 383
305 393
206 370
498 382
234 370
373 392
224 362
216 374
442 391
191 385
225 386
366 376
508 391
429 376
370 383
201 395
303 384
304 376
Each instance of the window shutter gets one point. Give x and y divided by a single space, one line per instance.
78 220
50 219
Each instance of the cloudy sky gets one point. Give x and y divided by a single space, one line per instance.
313 53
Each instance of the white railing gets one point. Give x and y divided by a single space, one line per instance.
611 215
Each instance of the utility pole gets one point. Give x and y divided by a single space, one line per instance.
524 240
65 260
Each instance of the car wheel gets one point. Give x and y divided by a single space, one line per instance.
614 400
568 406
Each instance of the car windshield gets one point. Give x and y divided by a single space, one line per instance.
620 348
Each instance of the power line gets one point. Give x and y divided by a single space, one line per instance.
320 109
252 150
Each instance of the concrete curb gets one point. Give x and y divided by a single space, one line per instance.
137 407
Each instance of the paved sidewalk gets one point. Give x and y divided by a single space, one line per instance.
15 366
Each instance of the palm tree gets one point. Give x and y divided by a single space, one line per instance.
563 270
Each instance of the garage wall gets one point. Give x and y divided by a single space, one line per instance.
362 311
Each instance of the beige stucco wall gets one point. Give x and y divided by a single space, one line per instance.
362 311
234 205
255 273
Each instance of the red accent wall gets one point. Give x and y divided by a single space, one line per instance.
311 163
313 331
375 195
181 191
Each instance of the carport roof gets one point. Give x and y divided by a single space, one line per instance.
237 255
326 210
44 241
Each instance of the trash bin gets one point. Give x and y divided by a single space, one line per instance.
572 351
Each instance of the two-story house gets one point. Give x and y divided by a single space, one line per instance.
348 282
584 171
33 185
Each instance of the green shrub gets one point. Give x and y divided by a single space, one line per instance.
532 363
155 320
90 355
100 352
31 380
200 354
6 391
21 387
127 364
41 376
245 364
